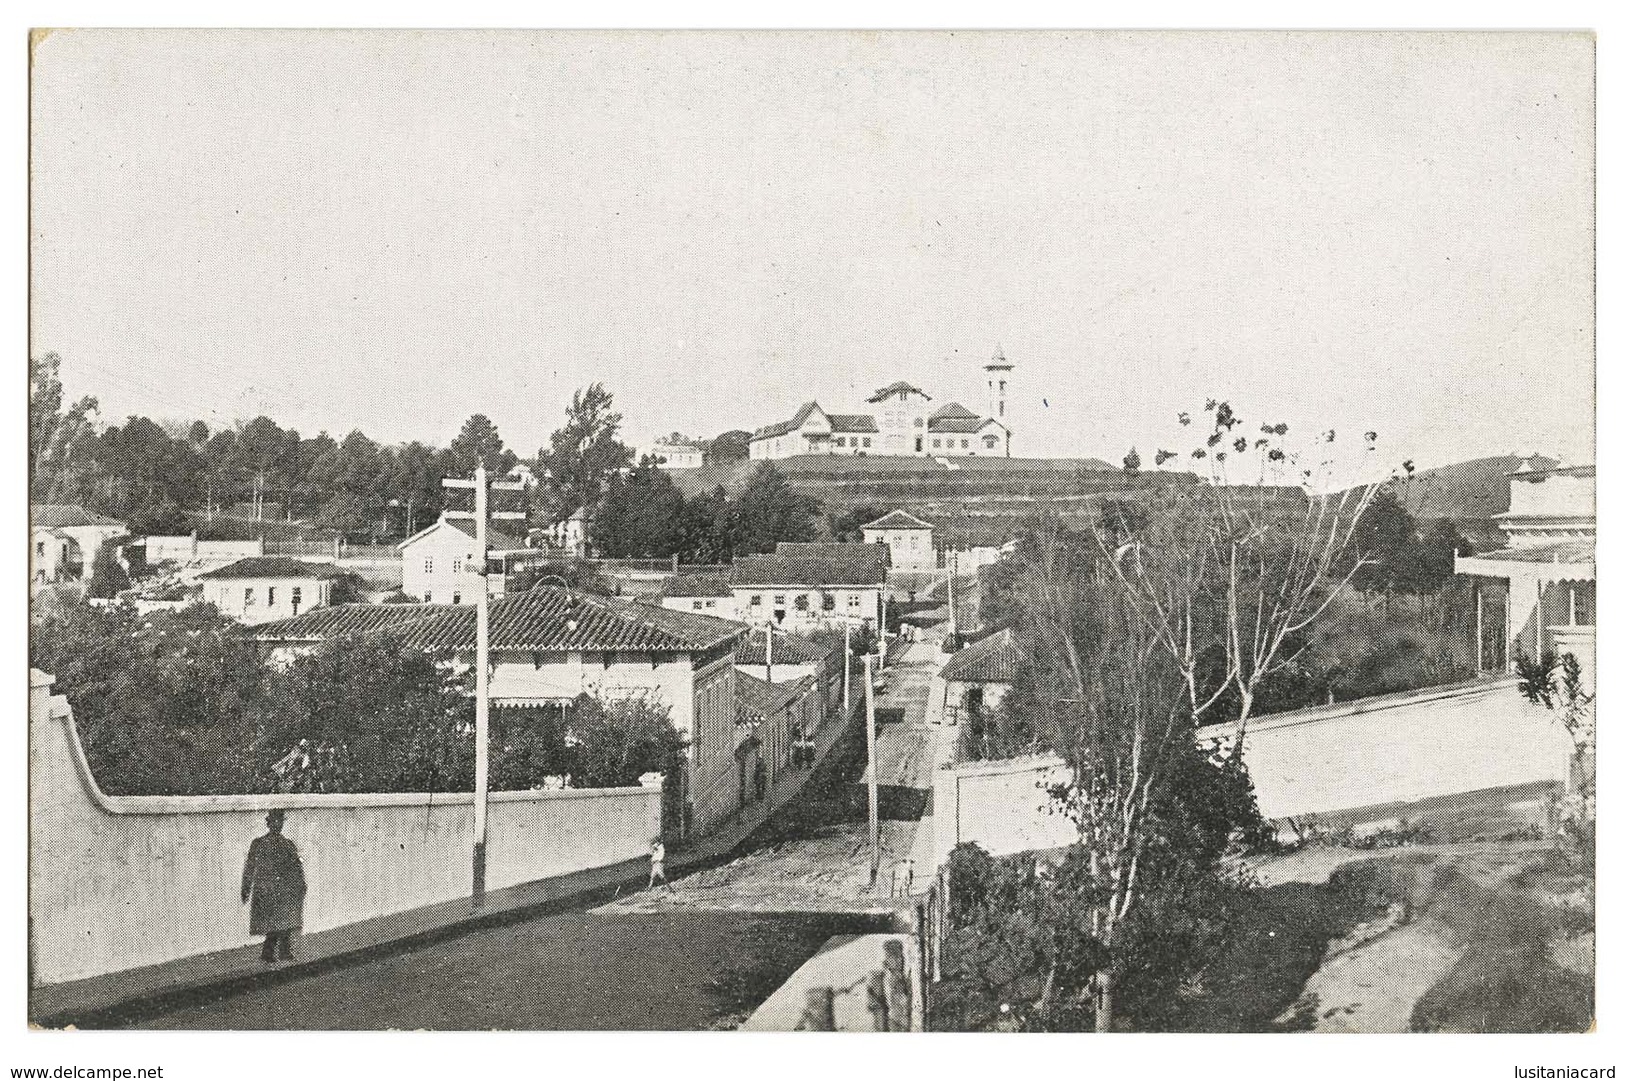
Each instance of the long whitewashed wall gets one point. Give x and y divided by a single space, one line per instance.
117 882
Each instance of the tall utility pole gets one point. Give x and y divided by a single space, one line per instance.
846 675
482 662
953 618
874 770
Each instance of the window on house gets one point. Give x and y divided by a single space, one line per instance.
840 441
428 564
39 549
866 441
248 597
963 443
710 604
936 443
755 600
457 566
852 600
296 597
270 596
457 598
829 602
919 422
801 602
778 599
991 441
698 605
919 443
428 597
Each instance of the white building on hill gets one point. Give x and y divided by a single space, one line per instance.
902 423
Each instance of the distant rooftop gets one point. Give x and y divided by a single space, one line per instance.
273 567
993 659
815 565
898 519
902 386
67 516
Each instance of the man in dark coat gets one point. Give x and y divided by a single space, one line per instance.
275 879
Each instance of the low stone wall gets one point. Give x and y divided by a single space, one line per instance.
116 882
1373 753
189 549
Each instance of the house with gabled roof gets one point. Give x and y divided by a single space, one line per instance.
804 587
900 423
261 589
549 645
979 675
908 537
438 564
709 594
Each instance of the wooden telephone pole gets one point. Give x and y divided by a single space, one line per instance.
874 769
482 660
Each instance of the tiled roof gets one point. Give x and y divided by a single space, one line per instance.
815 565
495 540
953 409
696 585
954 425
755 700
897 388
338 620
67 515
993 659
273 567
852 422
787 649
898 519
783 426
540 621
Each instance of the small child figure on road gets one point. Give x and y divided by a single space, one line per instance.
657 864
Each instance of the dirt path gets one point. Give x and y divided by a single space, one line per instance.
1374 987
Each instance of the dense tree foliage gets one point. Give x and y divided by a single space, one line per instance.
582 456
178 703
161 481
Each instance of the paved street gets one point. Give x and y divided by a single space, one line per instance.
814 854
571 970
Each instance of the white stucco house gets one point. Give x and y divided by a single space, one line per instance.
677 453
549 645
64 540
438 564
260 589
708 594
806 587
1540 591
979 675
908 537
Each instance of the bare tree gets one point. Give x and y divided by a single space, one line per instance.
1226 576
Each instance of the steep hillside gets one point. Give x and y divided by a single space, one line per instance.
974 501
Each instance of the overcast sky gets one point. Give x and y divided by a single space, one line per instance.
392 230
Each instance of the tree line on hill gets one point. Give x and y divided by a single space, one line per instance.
162 477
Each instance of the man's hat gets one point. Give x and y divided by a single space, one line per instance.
275 818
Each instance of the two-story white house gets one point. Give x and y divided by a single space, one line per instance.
260 589
908 537
550 645
1540 591
64 540
805 587
439 566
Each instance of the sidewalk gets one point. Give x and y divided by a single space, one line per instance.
104 1001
